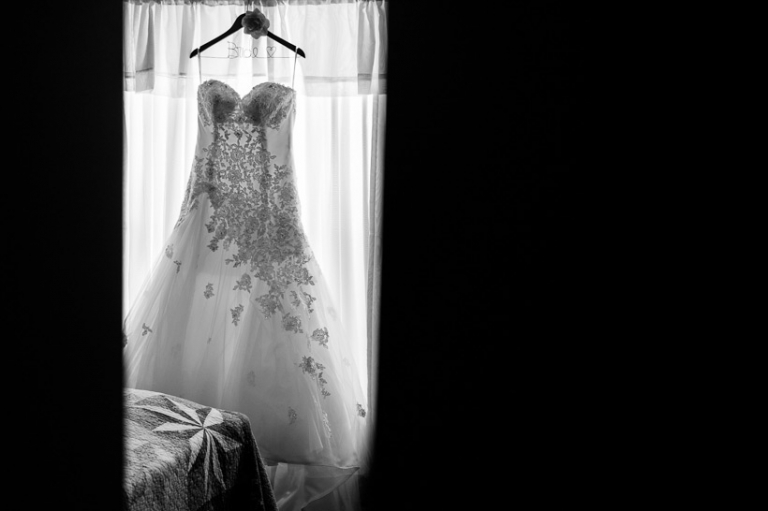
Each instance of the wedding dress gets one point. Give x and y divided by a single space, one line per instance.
236 315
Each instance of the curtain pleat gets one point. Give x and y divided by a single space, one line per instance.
374 195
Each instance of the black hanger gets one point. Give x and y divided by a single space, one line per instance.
237 25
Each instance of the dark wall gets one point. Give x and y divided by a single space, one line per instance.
63 254
482 305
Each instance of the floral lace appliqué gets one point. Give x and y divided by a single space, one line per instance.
292 323
302 298
268 305
320 336
145 329
308 300
315 370
208 290
243 284
360 410
292 415
236 313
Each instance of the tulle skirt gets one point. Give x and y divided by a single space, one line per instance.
193 332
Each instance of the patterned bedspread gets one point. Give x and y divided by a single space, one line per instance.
180 455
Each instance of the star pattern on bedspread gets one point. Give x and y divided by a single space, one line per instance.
133 443
204 440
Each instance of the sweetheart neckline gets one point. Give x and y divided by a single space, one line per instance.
239 97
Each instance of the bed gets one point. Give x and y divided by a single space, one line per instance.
180 455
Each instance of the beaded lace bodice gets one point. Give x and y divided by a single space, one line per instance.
243 165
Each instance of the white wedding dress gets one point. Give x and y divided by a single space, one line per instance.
236 314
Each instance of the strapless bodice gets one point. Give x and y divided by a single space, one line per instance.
266 104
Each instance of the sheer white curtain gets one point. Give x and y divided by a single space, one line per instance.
338 133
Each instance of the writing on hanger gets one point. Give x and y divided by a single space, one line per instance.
244 52
237 25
